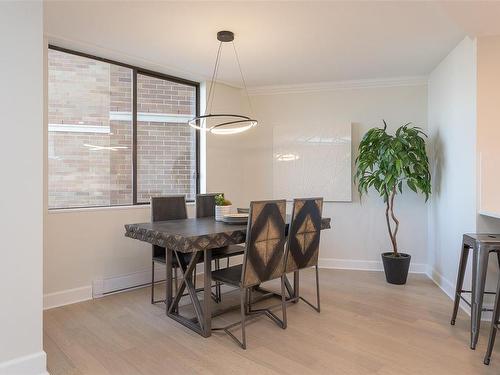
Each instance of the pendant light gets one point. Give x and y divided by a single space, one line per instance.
223 123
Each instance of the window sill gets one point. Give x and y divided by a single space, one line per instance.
107 208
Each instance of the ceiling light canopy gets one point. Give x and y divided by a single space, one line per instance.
218 123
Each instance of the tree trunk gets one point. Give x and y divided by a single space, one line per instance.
389 214
396 221
388 220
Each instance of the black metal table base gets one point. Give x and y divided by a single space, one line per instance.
201 322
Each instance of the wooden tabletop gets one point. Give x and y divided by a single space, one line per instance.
189 235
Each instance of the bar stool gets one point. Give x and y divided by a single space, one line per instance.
482 245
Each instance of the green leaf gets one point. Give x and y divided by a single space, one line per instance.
385 161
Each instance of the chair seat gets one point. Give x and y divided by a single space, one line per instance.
230 275
227 251
161 259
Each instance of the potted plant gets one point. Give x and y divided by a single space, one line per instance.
385 162
222 207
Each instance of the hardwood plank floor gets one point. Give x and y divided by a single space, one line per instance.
365 327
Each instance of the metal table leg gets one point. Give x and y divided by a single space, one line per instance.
168 281
188 269
207 293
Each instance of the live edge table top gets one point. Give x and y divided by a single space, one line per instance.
190 235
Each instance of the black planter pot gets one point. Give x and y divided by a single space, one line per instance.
396 268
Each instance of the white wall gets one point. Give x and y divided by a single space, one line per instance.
452 128
488 134
488 125
83 245
359 232
227 156
21 95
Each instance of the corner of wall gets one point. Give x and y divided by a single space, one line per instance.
32 364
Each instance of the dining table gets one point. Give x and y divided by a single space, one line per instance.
189 242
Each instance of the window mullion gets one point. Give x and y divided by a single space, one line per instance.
134 136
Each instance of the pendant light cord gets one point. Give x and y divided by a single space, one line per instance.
208 108
243 78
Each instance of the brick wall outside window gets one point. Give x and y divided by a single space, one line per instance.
90 134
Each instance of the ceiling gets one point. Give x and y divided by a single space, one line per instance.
278 42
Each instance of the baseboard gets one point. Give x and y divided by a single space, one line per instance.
449 289
32 364
114 284
364 265
67 297
105 286
443 283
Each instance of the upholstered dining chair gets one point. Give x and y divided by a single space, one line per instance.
205 207
163 209
302 247
263 261
205 204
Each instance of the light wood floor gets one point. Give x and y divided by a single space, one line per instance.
366 327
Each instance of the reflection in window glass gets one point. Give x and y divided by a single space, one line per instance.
90 132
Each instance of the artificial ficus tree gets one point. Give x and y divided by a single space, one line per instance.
386 162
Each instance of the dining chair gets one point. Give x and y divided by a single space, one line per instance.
263 261
205 207
163 209
302 247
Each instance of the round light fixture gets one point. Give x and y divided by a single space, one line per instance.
223 123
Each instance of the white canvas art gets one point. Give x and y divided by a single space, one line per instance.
312 161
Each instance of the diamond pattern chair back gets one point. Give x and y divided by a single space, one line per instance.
302 247
205 204
264 254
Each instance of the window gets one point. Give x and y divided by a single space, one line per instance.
166 146
117 133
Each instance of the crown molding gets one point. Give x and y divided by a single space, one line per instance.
339 85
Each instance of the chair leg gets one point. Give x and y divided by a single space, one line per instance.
283 302
494 324
218 294
249 300
243 311
317 289
480 265
460 281
176 280
152 283
243 300
317 307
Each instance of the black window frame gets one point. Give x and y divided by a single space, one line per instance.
135 71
